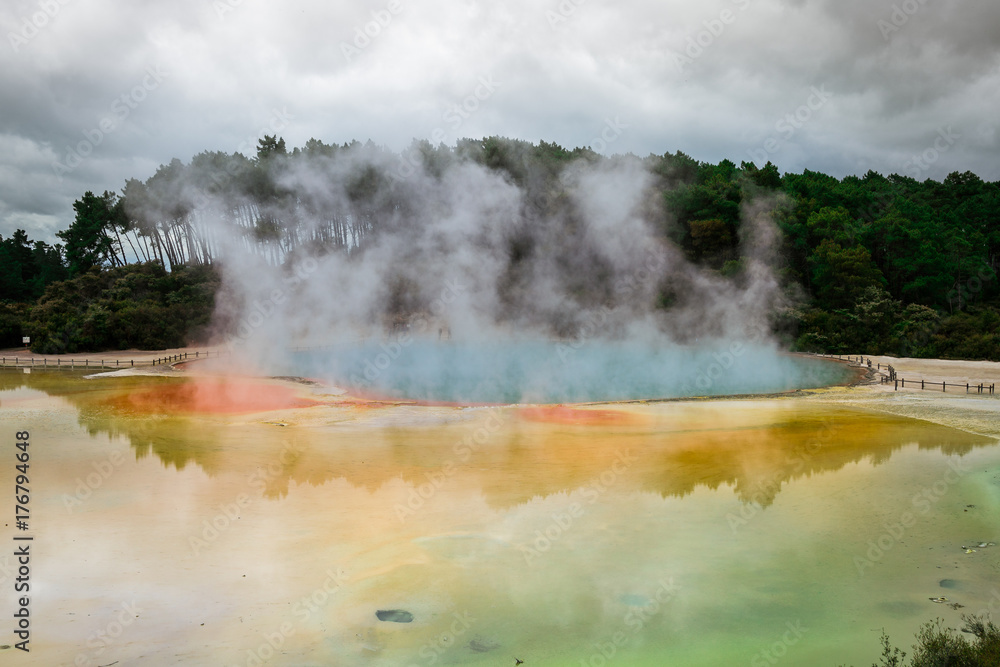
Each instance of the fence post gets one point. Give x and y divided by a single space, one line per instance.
921 384
944 386
897 386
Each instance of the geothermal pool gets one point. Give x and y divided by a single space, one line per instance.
533 371
248 522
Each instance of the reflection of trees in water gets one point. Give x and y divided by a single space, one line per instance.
674 452
175 440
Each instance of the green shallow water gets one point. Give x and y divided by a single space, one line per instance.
691 533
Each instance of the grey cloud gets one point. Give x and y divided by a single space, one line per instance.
229 69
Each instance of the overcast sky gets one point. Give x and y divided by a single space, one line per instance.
93 92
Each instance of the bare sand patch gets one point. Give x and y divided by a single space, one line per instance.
973 412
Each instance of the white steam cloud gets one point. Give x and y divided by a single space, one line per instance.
352 247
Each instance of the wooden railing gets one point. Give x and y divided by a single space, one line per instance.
74 363
890 376
981 388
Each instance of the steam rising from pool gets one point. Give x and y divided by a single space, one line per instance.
526 371
561 282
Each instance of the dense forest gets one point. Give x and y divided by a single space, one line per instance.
872 264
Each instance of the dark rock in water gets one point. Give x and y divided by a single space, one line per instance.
948 583
394 616
483 645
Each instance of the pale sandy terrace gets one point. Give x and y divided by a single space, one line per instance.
942 370
970 412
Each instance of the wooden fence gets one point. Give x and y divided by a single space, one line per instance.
74 363
890 376
980 388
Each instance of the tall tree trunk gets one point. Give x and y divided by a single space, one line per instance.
138 258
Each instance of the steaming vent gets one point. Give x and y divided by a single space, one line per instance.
459 282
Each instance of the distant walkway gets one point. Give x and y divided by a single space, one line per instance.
23 358
941 375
